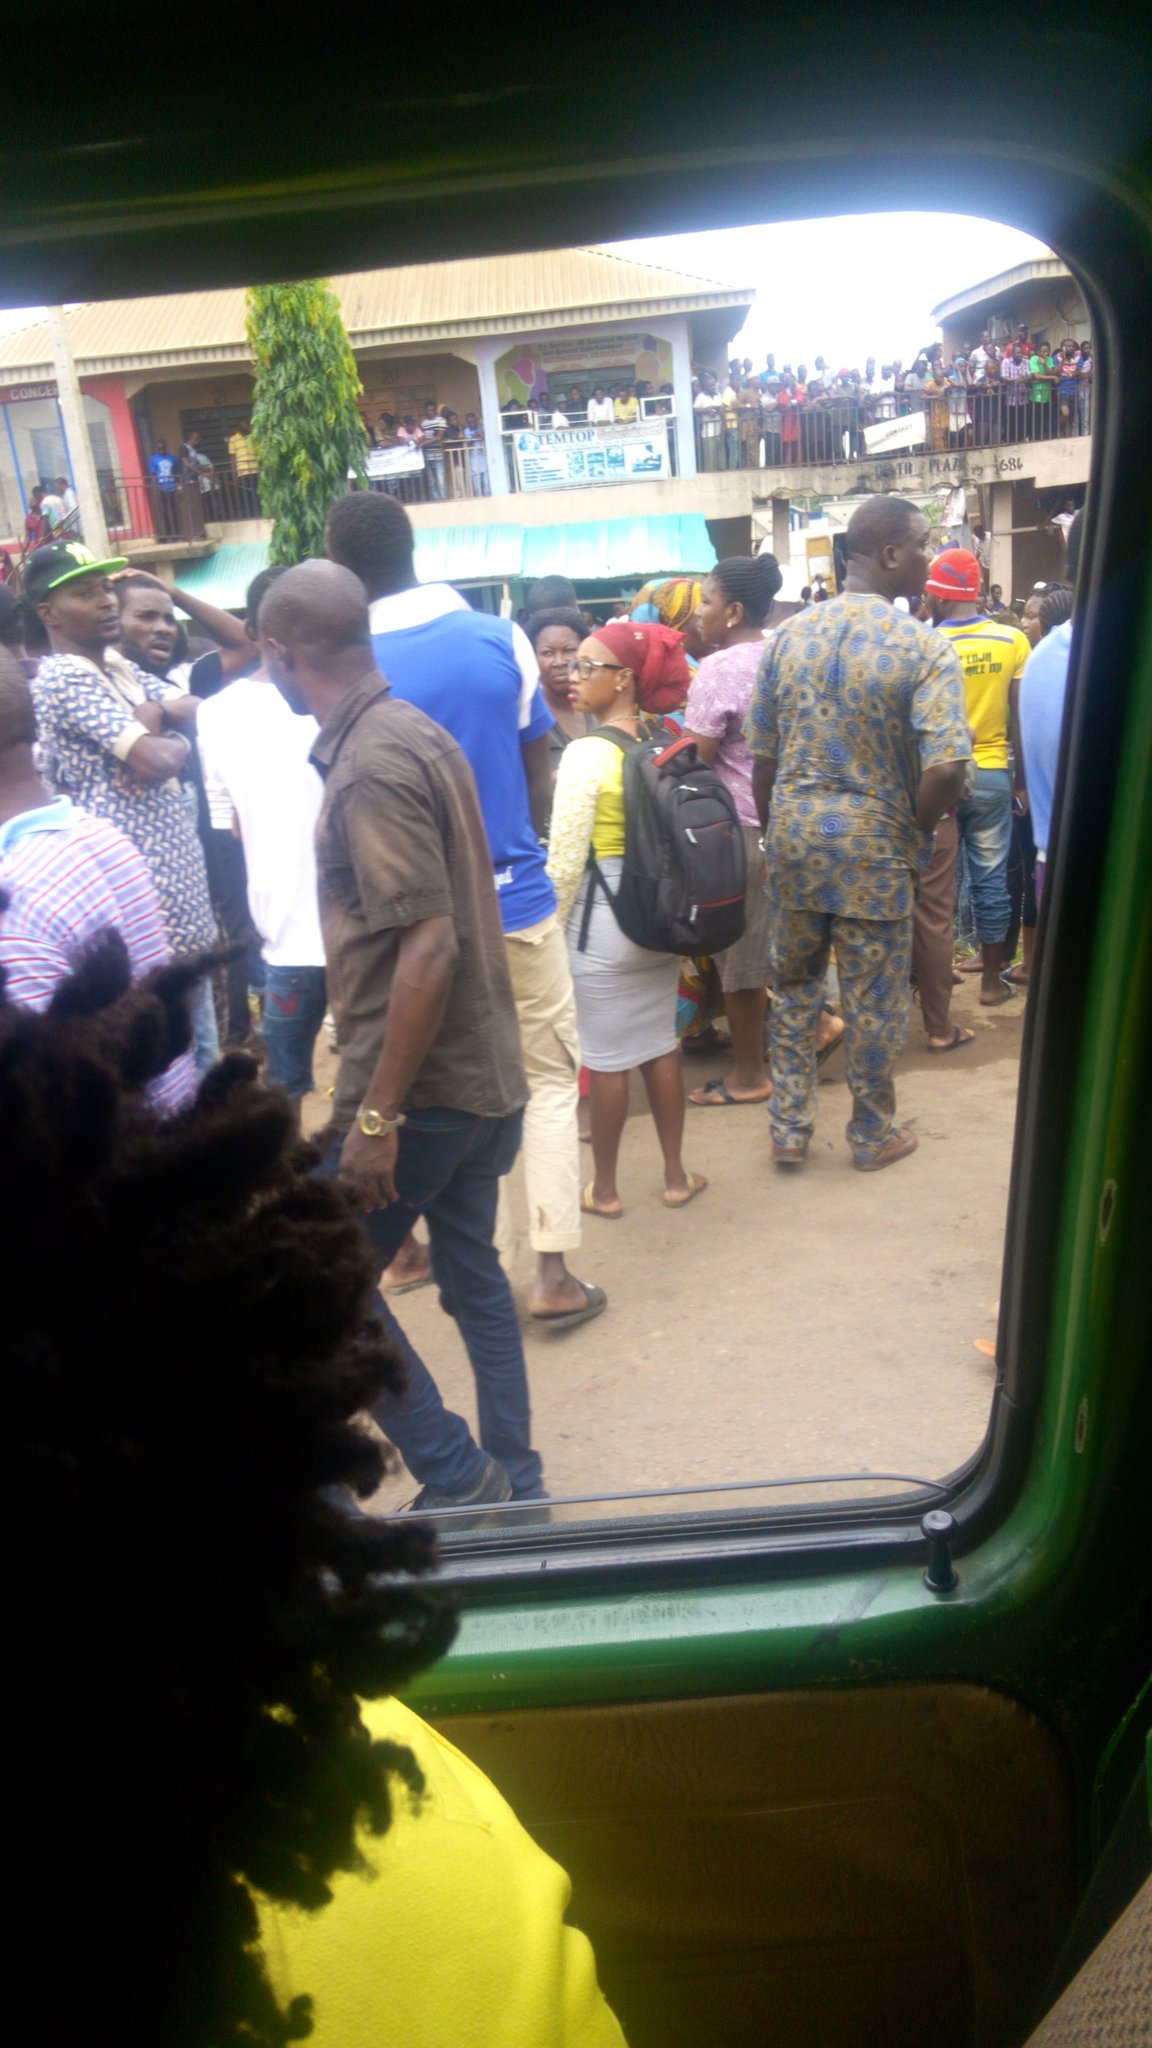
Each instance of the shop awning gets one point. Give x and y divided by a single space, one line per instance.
591 550
586 550
223 578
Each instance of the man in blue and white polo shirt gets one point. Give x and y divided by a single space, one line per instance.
477 676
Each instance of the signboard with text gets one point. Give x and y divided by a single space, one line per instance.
24 394
403 460
906 432
567 458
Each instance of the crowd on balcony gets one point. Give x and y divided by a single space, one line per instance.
992 393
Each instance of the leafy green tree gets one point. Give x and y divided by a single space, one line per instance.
305 424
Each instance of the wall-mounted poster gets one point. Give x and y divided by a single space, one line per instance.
531 370
564 458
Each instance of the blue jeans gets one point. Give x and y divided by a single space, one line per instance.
449 1169
985 823
295 999
205 1030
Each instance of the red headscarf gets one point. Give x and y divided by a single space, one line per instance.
656 657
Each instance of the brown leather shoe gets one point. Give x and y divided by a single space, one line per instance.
900 1144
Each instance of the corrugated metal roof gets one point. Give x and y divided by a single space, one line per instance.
589 551
419 300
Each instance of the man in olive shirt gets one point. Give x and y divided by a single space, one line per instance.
430 1095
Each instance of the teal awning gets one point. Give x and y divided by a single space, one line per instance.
591 550
223 578
469 554
586 550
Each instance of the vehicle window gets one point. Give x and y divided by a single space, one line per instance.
762 495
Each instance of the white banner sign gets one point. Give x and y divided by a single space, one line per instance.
906 432
402 460
566 458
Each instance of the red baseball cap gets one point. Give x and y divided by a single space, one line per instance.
954 574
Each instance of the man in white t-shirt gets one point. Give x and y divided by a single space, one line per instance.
600 411
259 782
980 357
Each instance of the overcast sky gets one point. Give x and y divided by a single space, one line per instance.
845 289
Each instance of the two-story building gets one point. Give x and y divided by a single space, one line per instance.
512 340
1015 471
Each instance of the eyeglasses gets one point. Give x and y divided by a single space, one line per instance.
583 669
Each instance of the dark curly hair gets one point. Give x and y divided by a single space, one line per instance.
371 534
186 1345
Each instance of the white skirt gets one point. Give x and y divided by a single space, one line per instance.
625 995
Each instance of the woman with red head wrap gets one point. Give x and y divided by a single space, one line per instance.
625 995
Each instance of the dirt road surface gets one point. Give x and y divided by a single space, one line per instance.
783 1325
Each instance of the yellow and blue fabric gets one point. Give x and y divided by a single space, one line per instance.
853 701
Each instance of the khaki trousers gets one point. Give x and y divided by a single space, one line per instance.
932 943
546 1008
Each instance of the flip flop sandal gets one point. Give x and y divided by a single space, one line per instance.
568 1318
998 1002
591 1208
900 1146
696 1186
959 1037
407 1286
717 1095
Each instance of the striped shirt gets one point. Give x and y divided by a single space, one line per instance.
1016 376
68 877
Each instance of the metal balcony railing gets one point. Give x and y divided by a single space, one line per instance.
831 429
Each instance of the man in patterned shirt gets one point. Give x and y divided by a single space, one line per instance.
858 726
65 879
117 742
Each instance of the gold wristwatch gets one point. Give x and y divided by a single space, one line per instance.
375 1125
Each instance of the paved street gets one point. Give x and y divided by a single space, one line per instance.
780 1326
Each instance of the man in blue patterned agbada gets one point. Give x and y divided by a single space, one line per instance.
861 741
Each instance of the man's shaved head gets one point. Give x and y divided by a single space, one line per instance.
314 635
316 609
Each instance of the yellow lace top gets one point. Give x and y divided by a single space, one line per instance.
587 811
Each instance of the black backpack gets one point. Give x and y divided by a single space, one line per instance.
685 870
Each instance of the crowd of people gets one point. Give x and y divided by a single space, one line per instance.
427 812
454 455
438 860
991 393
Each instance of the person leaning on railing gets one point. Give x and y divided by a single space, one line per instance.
750 424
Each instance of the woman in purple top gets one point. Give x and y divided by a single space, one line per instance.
734 607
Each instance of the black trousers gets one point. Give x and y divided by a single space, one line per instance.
1021 881
228 888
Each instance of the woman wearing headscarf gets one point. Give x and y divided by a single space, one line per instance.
627 676
670 603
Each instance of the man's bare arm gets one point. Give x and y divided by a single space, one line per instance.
763 783
941 787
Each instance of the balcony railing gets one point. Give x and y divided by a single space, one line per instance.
833 429
439 472
139 508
